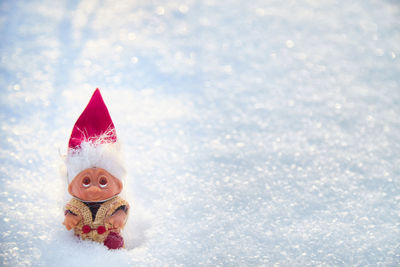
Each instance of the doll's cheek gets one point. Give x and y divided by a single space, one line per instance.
79 192
116 187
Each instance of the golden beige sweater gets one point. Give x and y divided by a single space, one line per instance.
95 230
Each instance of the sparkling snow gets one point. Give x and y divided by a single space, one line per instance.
255 132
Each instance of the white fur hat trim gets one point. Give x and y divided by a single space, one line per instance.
88 155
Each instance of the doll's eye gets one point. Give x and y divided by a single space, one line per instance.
103 182
86 182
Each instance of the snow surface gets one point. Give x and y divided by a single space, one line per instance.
255 132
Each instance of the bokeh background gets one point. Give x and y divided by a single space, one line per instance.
255 132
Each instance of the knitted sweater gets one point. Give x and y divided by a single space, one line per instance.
95 230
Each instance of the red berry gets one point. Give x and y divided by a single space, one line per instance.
86 229
101 230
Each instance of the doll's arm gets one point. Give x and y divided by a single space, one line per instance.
71 220
118 218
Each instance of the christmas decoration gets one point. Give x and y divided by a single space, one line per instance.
95 172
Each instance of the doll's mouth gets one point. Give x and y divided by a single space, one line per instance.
96 197
94 194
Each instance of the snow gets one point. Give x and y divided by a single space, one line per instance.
256 132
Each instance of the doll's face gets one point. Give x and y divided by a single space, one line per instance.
94 185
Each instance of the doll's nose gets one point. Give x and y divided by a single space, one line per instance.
93 189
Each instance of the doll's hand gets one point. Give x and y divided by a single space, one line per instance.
70 221
118 219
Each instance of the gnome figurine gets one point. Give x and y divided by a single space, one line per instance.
95 172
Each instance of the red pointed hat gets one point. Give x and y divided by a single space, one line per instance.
94 122
93 141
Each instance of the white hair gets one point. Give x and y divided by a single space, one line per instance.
91 154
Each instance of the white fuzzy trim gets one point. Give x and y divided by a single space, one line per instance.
88 155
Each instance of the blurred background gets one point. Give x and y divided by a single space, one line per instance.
255 132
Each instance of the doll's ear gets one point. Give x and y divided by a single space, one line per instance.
119 185
70 188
